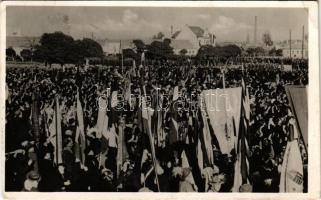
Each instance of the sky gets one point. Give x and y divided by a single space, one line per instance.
228 24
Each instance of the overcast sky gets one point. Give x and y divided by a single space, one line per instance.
228 24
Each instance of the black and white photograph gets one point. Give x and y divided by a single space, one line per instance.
157 99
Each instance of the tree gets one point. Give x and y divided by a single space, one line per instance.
159 36
208 51
257 51
267 40
183 52
140 46
26 54
129 53
279 52
86 48
10 52
56 48
160 50
60 48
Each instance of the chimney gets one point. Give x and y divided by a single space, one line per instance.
255 29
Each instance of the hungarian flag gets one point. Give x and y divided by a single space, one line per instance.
292 167
241 172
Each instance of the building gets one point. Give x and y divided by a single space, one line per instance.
113 47
196 35
179 45
295 50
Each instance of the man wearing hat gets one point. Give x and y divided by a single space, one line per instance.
31 182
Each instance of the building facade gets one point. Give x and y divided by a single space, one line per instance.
295 50
196 35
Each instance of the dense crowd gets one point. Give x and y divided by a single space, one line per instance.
30 161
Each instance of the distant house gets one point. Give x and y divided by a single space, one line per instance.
112 47
196 35
18 43
296 50
179 45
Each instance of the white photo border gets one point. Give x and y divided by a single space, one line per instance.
313 103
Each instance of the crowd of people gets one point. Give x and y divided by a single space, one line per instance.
31 163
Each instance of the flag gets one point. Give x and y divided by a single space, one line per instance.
7 93
292 167
147 129
223 107
35 126
58 133
186 165
241 168
112 104
143 58
207 138
174 133
102 108
297 96
80 140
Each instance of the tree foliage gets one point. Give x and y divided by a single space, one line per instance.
62 49
275 52
10 52
208 51
26 54
183 52
255 51
140 45
267 39
159 36
159 50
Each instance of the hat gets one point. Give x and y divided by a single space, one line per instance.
33 175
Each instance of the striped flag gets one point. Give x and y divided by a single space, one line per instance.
241 174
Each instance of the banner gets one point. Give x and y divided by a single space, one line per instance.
298 100
223 107
292 169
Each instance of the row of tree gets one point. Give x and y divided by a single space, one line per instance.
59 48
63 49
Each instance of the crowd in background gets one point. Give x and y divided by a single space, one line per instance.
268 133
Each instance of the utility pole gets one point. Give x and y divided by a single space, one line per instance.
290 44
255 29
302 41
